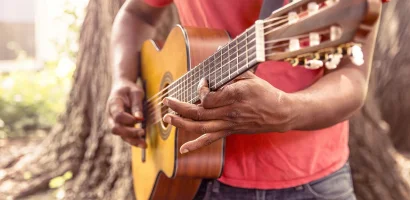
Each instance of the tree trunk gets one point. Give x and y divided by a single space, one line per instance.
81 143
383 121
392 66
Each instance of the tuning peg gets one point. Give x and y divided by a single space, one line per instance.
293 61
293 17
314 64
335 33
314 39
333 60
312 8
356 55
294 44
330 2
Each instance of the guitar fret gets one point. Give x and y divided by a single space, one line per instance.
246 49
226 63
211 71
192 82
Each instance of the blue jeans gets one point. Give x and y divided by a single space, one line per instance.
336 186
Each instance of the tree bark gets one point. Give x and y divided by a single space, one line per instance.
382 123
392 67
81 143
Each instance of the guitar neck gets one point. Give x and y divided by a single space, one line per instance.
228 62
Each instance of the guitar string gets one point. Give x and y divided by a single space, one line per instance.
207 69
203 66
150 102
265 21
153 112
176 86
207 72
153 105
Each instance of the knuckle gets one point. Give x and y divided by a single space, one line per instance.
203 129
234 114
198 114
178 123
121 90
138 92
117 117
116 129
192 113
232 127
208 141
237 93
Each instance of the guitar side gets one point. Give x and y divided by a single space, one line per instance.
167 174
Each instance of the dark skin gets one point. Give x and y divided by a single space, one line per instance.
249 105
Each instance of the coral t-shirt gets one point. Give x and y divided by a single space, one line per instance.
272 160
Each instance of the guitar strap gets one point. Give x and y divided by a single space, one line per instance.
269 6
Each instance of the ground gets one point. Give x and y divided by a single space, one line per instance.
13 147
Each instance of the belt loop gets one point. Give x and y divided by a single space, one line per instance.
216 185
298 188
208 190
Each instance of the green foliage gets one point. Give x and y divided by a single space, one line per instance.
32 100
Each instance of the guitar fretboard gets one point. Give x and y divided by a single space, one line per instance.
228 62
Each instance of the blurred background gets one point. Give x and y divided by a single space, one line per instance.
55 79
38 46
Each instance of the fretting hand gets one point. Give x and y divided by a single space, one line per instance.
248 105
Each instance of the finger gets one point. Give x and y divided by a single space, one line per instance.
136 97
246 75
115 106
203 89
222 97
129 132
190 111
202 141
118 114
125 119
199 113
135 142
199 127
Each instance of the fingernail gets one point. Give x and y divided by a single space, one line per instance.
138 115
167 119
165 101
184 151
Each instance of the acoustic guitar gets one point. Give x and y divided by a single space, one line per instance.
306 33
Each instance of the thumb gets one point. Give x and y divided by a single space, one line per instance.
203 89
136 97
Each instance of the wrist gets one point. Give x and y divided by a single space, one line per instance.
123 78
293 112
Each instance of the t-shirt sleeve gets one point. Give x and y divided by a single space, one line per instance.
158 3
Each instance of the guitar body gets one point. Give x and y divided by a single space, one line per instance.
165 173
160 171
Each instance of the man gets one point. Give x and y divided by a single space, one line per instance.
286 130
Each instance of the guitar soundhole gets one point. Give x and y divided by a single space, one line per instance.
165 127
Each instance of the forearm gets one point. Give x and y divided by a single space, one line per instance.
130 29
336 96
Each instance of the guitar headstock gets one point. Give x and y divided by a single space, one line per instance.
316 33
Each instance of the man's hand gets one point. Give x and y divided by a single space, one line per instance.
125 112
248 105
